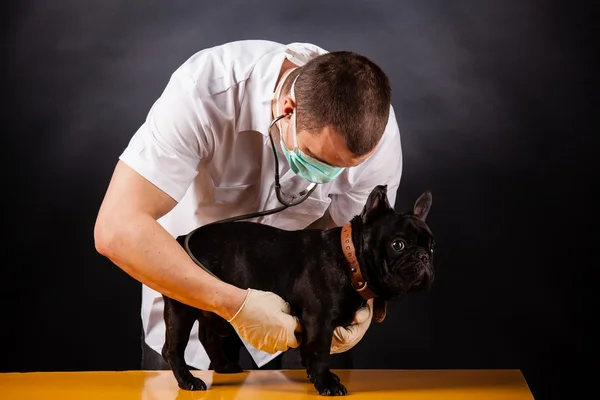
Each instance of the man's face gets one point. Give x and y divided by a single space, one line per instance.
327 146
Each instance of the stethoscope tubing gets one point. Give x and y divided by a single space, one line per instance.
284 203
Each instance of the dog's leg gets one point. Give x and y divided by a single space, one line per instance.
315 347
231 346
179 319
221 343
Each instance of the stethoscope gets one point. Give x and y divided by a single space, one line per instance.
285 200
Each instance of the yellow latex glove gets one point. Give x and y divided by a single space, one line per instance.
264 321
346 337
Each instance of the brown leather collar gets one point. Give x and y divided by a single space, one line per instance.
358 282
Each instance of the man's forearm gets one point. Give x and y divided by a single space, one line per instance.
148 253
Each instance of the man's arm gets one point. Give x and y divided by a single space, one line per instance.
127 232
153 174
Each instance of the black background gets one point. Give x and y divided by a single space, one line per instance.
493 101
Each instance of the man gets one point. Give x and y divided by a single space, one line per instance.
204 154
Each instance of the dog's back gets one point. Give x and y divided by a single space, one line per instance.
252 255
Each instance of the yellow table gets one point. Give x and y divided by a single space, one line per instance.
265 385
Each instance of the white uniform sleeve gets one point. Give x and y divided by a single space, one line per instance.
174 139
384 167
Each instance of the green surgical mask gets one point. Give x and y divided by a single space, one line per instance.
302 164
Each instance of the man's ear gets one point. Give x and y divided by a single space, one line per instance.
422 206
376 203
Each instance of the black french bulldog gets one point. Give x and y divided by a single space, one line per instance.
325 276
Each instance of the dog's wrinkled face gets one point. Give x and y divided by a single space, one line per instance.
397 248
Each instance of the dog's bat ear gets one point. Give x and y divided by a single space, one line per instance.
422 206
377 202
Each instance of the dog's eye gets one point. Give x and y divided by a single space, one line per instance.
398 245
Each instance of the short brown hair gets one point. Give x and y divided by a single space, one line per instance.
345 91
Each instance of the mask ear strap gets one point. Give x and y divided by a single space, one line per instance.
294 132
293 95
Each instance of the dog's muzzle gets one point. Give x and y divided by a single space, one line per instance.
418 271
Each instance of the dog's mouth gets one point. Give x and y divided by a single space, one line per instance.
426 280
418 277
414 278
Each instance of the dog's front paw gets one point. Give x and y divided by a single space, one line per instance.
309 376
337 378
192 383
329 385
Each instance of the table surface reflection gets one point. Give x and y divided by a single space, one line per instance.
266 385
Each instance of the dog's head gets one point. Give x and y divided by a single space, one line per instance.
396 249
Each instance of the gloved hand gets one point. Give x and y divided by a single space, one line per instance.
346 337
264 322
